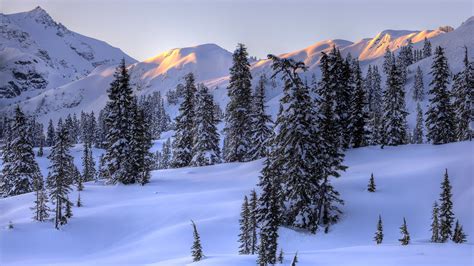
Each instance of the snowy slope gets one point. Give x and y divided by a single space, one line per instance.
37 54
151 224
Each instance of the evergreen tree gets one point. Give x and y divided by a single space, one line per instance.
239 109
405 240
418 130
244 236
183 138
60 175
435 224
119 122
426 48
261 122
253 221
19 167
418 91
459 236
463 92
206 149
77 177
388 61
440 116
79 202
295 148
359 112
196 249
40 152
280 256
88 164
446 215
166 155
140 145
50 134
41 209
371 186
394 126
295 260
269 213
375 106
379 234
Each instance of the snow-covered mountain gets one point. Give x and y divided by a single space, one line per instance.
38 53
210 63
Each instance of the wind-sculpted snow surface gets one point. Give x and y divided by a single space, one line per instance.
151 224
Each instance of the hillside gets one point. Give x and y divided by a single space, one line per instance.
151 224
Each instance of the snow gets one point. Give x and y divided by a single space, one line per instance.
151 224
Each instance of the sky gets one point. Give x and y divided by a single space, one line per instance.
145 28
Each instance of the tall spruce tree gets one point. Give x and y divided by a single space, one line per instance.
462 90
50 134
239 109
435 237
184 132
359 111
375 106
196 249
205 149
440 116
244 221
60 174
379 234
394 117
88 164
418 90
253 207
418 131
446 215
19 167
119 119
405 240
261 122
296 148
166 155
140 144
426 48
41 209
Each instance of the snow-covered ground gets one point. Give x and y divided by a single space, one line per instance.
151 224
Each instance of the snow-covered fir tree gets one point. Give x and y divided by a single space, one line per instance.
119 121
435 237
296 148
378 238
205 149
244 221
269 214
394 116
426 48
405 240
184 132
60 174
343 73
88 164
373 82
261 122
50 134
459 236
446 215
41 209
418 131
253 207
359 111
388 61
294 261
331 157
19 165
462 91
166 159
196 248
280 256
371 186
140 144
238 111
418 90
440 116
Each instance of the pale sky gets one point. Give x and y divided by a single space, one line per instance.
144 28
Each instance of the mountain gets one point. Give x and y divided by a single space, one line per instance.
38 53
210 63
